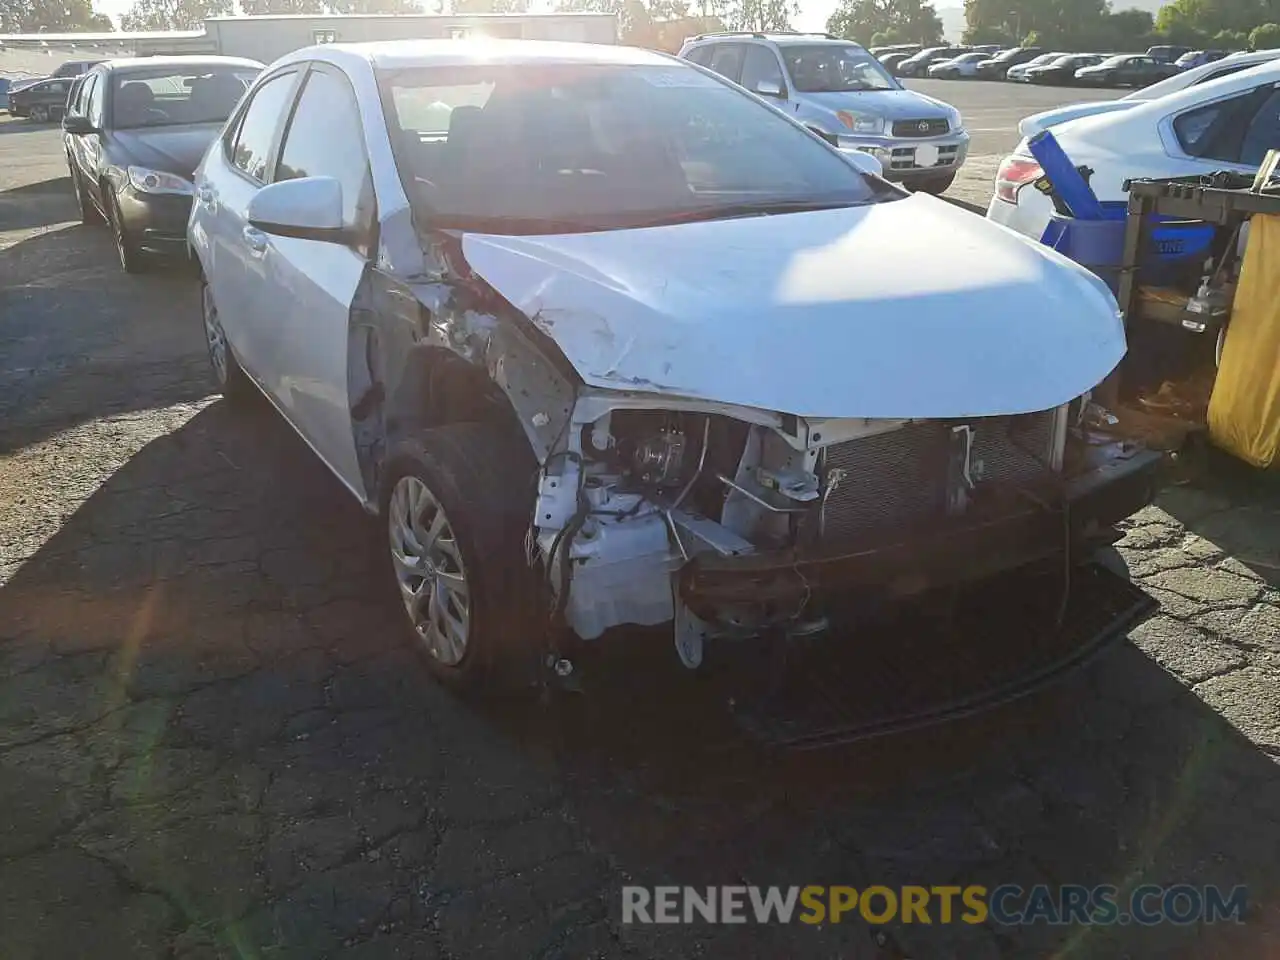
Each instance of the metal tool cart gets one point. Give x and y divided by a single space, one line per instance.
1177 303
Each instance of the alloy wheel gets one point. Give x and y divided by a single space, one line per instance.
215 336
429 570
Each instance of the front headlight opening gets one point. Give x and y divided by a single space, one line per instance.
146 180
859 123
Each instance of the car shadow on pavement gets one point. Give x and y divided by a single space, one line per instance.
37 205
80 339
1233 507
15 125
212 739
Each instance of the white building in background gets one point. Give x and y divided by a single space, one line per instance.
269 37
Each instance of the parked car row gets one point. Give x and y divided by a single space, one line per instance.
1224 115
426 254
43 99
1034 65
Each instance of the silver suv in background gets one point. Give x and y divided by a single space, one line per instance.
839 91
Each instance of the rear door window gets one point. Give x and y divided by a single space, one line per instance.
1218 131
727 60
700 55
1263 133
759 65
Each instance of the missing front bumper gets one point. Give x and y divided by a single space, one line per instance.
954 552
995 645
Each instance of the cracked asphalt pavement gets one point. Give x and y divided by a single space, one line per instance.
213 744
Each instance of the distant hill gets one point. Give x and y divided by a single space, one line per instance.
952 14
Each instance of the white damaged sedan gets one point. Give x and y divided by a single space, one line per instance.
604 339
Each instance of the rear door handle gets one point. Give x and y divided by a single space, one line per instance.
255 239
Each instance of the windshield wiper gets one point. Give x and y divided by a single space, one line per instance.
753 208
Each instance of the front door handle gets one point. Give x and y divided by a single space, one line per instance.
255 239
207 196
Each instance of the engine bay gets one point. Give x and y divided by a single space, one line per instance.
634 493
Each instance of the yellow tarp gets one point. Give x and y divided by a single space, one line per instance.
1244 410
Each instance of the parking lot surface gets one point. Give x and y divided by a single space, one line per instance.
212 743
991 112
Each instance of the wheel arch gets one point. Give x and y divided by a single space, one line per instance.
417 360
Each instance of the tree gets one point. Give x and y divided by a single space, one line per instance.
374 6
915 21
637 22
1127 29
1194 20
1230 40
888 37
1058 23
52 16
173 14
257 8
1265 37
762 15
490 6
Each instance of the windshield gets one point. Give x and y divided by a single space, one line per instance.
973 57
1116 61
830 68
546 149
167 96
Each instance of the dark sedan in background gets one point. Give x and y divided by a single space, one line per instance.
1062 72
42 101
998 66
135 132
1126 70
918 64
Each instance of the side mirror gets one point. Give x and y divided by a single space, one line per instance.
78 125
768 88
307 208
865 162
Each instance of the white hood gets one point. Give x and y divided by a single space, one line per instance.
907 309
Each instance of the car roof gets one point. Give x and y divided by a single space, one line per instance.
140 64
1261 56
405 54
1143 111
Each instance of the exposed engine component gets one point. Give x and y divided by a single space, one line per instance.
659 459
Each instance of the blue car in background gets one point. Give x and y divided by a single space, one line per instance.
842 93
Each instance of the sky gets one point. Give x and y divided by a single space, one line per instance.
813 13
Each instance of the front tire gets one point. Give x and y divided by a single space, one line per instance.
40 114
456 505
227 373
126 249
88 212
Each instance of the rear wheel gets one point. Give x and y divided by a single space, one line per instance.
455 507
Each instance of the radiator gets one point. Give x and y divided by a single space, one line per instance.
900 477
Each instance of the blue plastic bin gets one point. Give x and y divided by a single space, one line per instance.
1098 245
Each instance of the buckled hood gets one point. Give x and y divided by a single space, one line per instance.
912 308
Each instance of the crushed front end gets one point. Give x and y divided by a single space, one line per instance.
735 524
